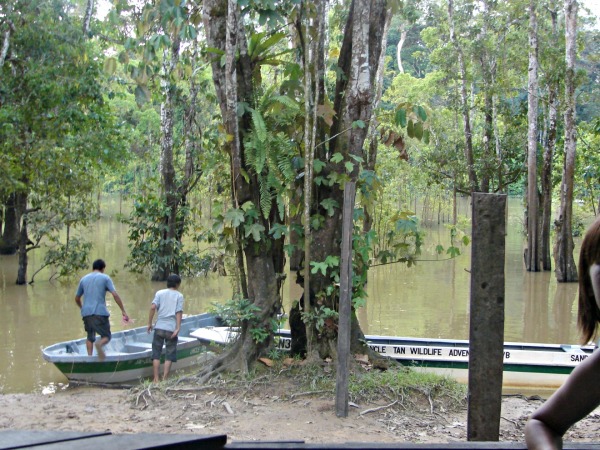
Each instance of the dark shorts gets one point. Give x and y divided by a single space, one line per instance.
164 337
96 325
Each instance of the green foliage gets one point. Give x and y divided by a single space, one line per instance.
148 239
57 132
272 13
403 239
269 150
237 311
68 258
65 253
319 317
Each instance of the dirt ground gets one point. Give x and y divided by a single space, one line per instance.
269 413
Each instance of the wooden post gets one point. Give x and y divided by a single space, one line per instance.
486 330
343 344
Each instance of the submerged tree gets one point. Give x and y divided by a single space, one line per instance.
57 130
532 259
566 269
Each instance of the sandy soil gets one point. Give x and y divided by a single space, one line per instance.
270 413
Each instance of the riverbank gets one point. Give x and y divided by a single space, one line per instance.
261 412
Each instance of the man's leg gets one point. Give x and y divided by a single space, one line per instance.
89 345
155 368
100 347
166 369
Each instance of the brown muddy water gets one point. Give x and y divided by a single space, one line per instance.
430 299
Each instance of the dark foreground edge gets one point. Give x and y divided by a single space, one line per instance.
47 440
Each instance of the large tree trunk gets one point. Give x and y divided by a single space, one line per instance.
354 98
264 260
546 178
532 255
167 169
566 270
473 182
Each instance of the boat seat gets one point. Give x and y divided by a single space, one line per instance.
136 347
572 349
72 347
186 339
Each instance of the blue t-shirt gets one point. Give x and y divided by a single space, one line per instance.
94 287
168 303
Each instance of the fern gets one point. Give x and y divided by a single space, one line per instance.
269 151
265 196
260 127
288 102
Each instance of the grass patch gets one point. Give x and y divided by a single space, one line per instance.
287 380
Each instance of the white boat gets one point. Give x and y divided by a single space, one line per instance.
526 365
128 354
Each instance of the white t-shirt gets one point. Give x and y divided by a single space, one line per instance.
168 302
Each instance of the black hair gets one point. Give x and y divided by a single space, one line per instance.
588 315
173 280
99 264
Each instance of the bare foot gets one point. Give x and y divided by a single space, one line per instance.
100 350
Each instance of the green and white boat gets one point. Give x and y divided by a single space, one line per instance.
526 365
129 354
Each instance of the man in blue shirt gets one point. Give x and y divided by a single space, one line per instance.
93 288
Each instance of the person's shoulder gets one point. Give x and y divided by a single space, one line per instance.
106 277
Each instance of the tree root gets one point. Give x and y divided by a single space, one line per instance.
302 394
367 411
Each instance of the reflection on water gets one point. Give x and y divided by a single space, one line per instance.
430 299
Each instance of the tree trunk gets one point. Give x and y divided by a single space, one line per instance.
473 182
166 168
89 10
532 258
488 64
12 219
10 27
566 270
546 178
360 54
21 200
264 260
399 49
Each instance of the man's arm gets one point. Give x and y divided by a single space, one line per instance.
151 316
78 300
120 303
178 316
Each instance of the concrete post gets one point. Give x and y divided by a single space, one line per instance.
486 330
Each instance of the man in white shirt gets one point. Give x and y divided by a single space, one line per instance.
169 305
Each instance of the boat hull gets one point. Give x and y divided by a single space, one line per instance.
526 365
128 354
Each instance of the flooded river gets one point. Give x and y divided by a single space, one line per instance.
430 299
